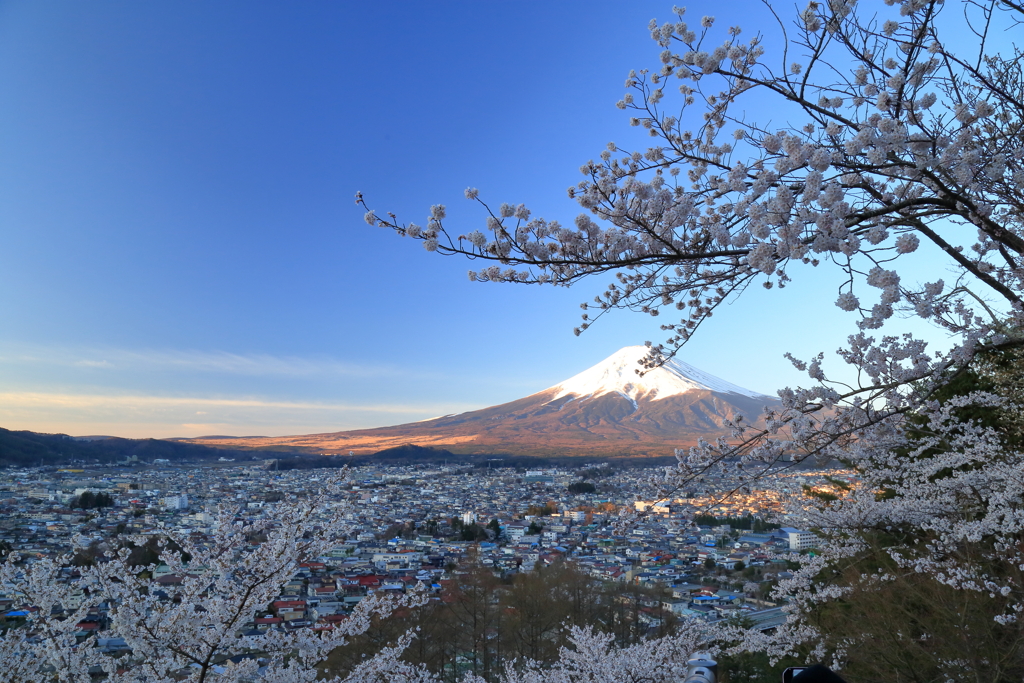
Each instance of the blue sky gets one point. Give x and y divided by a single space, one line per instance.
181 254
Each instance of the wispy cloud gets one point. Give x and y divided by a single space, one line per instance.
98 400
161 392
94 364
162 416
220 362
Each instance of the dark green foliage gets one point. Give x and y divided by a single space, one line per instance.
92 501
483 622
748 523
406 530
597 473
87 557
412 453
149 552
578 487
465 532
838 483
914 627
823 496
752 667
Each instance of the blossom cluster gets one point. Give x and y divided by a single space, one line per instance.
224 583
894 146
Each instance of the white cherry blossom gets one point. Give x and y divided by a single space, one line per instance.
885 143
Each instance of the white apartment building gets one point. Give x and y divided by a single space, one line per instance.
179 502
800 540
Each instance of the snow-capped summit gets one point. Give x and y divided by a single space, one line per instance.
618 374
606 410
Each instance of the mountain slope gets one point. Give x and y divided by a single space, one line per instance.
607 409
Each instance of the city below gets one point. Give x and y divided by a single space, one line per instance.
502 509
708 556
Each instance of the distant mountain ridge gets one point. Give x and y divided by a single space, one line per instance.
606 410
32 449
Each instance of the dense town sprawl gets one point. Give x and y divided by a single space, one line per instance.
703 556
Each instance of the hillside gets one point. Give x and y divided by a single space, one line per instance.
607 410
30 449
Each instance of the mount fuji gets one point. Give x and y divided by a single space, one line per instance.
608 409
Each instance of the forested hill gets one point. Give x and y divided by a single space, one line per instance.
26 449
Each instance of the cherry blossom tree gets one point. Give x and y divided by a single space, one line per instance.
593 658
193 629
901 133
